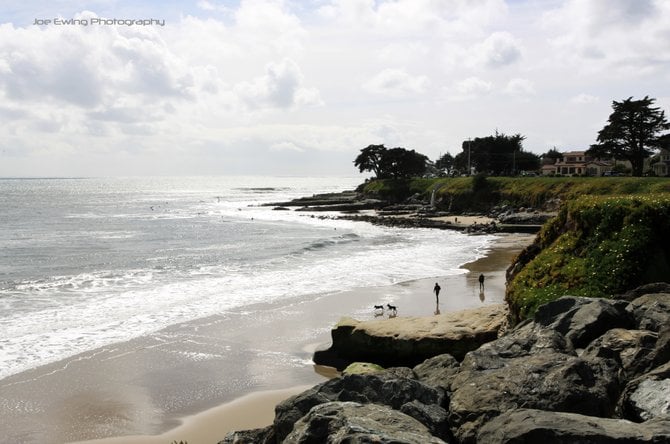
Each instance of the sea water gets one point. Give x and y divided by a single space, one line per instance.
88 262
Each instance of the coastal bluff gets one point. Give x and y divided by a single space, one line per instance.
411 340
580 370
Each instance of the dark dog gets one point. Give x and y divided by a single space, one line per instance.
392 308
379 307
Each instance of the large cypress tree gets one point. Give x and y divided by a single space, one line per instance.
633 130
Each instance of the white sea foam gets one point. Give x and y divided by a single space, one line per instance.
166 272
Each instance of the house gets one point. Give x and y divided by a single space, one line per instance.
662 166
577 163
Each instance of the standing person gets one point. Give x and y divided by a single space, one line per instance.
481 282
436 290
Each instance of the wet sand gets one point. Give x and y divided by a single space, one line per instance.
215 374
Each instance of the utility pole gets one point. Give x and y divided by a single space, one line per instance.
469 168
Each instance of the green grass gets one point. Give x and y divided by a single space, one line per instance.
597 246
518 191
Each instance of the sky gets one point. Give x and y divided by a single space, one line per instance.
287 87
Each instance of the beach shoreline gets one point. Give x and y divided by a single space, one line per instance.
255 410
166 386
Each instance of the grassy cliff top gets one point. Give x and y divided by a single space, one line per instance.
519 191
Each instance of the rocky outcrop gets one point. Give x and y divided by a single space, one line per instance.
386 388
352 422
581 320
582 370
651 312
525 217
536 426
411 340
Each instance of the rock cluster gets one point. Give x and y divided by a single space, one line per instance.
582 371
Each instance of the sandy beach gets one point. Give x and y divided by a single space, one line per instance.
198 380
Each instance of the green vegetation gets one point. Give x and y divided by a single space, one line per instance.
632 133
597 246
393 163
479 194
498 154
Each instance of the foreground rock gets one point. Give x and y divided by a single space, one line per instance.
351 422
581 371
392 388
411 340
537 426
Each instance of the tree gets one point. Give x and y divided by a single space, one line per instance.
370 158
496 155
632 132
398 163
551 156
445 162
526 161
391 163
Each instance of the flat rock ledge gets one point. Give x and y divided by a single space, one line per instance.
582 371
411 340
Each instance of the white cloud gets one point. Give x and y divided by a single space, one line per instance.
627 35
285 146
584 98
280 87
498 50
403 17
474 86
398 52
277 79
520 87
396 83
207 5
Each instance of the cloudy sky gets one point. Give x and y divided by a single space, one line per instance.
292 87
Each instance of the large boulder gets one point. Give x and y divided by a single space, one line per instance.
651 311
408 341
385 388
629 348
655 287
529 426
352 422
437 371
581 319
647 396
256 436
528 338
488 385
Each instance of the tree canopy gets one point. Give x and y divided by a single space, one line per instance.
633 130
393 163
445 162
498 155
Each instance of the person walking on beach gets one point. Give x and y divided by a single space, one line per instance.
436 290
481 282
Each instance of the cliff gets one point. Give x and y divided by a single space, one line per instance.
597 246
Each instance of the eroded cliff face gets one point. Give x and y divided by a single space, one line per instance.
596 247
581 370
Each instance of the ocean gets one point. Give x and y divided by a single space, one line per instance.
88 262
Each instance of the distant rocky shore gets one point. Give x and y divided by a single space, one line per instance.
582 370
416 213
